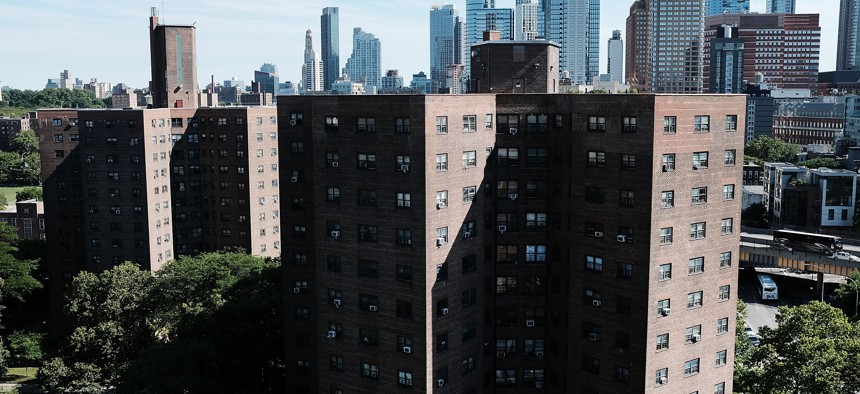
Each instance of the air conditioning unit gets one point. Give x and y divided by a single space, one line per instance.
695 167
407 349
89 160
404 168
621 238
373 308
593 336
440 241
294 179
194 125
297 290
513 130
293 122
110 160
596 302
539 385
440 382
598 234
332 334
439 268
666 168
663 380
335 164
503 228
513 196
500 354
530 323
666 311
335 234
467 234
445 311
696 338
539 353
440 205
336 302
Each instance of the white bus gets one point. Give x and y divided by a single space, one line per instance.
767 288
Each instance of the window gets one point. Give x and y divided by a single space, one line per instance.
488 121
470 331
468 364
332 157
367 233
726 226
626 198
729 155
720 358
596 123
470 123
403 273
368 302
622 375
691 367
335 362
369 371
731 123
441 125
668 162
506 285
333 194
469 193
469 297
594 263
662 376
402 126
725 292
629 124
404 200
403 236
702 123
506 254
596 159
442 162
664 307
728 192
697 230
725 259
536 156
441 236
696 265
367 197
368 268
591 364
665 272
669 124
720 388
594 194
535 221
628 161
508 157
700 160
625 270
506 377
367 161
404 378
365 124
333 263
699 195
663 341
666 235
403 309
723 325
694 300
667 199
402 163
470 263
331 124
441 199
535 253
693 334
470 159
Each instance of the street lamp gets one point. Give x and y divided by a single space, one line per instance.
856 294
822 277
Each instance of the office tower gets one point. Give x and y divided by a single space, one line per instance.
615 57
445 38
780 6
66 81
364 65
545 258
269 68
797 37
391 82
147 185
674 62
420 83
636 51
330 45
481 16
515 67
173 51
726 64
716 7
267 77
847 52
575 25
312 69
526 20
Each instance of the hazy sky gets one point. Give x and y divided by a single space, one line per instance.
109 40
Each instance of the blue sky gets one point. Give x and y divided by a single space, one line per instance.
108 39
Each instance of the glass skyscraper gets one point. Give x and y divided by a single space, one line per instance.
847 53
575 26
482 15
716 7
526 20
365 64
780 7
330 48
675 55
446 40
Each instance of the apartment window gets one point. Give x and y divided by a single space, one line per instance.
723 325
721 358
442 162
594 263
596 159
720 388
728 192
402 126
333 263
535 253
726 226
626 198
622 375
441 199
469 297
369 371
332 159
697 230
535 221
667 199
367 161
331 124
403 309
368 302
691 367
696 265
470 159
441 235
725 259
470 263
506 377
694 300
693 334
506 285
506 254
596 123
403 273
731 123
441 125
469 193
699 195
702 123
488 121
594 194
333 194
664 307
404 378
335 362
662 341
536 156
403 236
662 376
666 235
625 270
629 124
402 163
670 124
470 123
367 233
367 197
470 331
665 272
591 364
700 160
295 147
368 268
725 292
668 162
729 156
366 124
404 200
508 157
628 161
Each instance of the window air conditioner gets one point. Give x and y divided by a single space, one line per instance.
332 334
335 164
530 323
407 349
335 233
598 234
294 179
404 168
297 290
503 228
373 308
621 238
444 311
596 302
593 336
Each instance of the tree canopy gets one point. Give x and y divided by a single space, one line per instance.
846 295
29 193
819 162
21 166
767 149
50 98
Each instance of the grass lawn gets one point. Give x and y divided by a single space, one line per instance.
20 375
9 192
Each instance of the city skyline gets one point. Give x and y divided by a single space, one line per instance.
122 54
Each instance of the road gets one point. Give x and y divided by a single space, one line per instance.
768 239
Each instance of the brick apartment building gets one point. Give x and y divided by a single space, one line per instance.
28 217
511 243
149 185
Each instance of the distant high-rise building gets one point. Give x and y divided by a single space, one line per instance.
312 70
420 83
636 50
267 77
779 7
481 16
330 45
445 43
575 25
66 81
391 82
673 61
526 20
269 68
847 51
716 7
726 65
615 57
173 51
365 64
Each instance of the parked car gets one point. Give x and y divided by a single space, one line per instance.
841 255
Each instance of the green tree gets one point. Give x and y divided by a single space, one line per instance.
767 149
814 349
78 378
846 295
3 201
819 162
29 193
25 348
15 274
755 215
744 376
